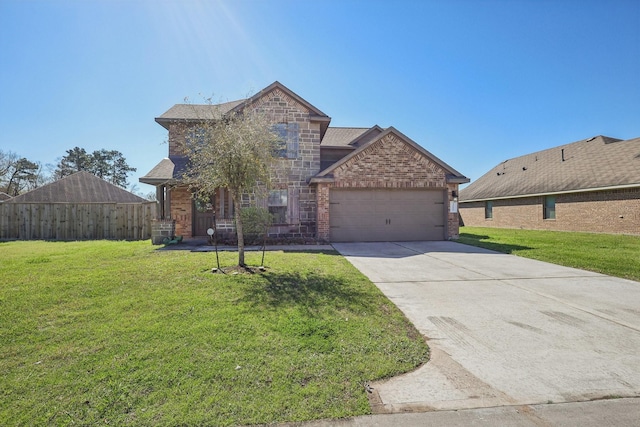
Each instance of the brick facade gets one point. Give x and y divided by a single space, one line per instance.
181 211
613 211
386 160
290 174
387 163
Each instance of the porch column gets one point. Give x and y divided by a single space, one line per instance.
221 198
160 201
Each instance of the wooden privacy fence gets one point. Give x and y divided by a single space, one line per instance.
76 221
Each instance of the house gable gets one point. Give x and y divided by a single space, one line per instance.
390 161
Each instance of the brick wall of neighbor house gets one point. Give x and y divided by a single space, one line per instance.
388 163
615 212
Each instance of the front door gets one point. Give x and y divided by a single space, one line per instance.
203 216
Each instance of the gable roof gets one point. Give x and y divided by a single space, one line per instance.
195 112
4 196
347 137
594 163
453 175
313 111
81 187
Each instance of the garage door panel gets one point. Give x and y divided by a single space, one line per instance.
386 215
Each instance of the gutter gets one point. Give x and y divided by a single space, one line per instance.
553 193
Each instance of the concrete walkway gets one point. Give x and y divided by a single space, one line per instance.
504 331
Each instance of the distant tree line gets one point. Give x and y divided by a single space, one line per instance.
19 174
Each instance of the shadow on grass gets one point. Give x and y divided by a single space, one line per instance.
310 292
482 241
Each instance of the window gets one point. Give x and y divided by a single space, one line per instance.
488 209
278 206
549 207
287 145
196 136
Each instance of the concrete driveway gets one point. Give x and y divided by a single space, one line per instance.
504 330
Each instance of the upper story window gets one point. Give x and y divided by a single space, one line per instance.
488 209
549 211
287 145
196 135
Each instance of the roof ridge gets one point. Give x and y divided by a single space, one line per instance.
585 140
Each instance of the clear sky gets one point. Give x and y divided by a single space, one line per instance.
474 82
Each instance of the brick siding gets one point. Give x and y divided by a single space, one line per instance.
182 211
614 211
292 174
387 163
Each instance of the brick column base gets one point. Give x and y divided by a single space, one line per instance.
162 229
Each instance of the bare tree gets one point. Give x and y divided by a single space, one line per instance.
18 174
233 151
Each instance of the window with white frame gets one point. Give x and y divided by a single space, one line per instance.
277 204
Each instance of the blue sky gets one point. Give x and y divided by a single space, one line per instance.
474 82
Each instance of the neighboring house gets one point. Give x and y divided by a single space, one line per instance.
336 184
591 185
80 206
4 196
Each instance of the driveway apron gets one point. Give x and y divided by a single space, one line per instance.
503 330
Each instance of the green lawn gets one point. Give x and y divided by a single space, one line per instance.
615 255
119 333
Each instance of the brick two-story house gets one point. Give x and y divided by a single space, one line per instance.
337 184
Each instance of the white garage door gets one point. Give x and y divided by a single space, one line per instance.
386 215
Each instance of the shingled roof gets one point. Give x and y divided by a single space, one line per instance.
4 196
169 169
196 112
348 137
81 187
591 164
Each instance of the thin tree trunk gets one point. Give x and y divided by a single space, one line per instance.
239 232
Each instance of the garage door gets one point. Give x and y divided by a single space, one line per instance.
386 215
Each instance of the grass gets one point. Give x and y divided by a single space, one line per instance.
118 333
614 255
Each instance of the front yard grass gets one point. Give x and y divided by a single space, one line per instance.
119 333
614 255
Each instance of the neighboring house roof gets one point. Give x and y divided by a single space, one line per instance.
453 175
81 187
591 164
346 137
4 196
169 169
